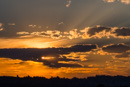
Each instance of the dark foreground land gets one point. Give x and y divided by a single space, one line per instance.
98 81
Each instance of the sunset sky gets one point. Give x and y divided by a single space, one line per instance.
66 38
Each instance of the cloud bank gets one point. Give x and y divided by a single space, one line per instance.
86 33
53 54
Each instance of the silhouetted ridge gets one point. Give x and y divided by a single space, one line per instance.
98 81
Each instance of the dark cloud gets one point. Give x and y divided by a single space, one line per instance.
119 48
122 32
55 62
122 50
37 54
123 55
109 32
92 31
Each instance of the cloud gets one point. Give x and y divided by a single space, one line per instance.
125 1
11 24
122 1
119 48
1 24
68 3
49 33
109 1
92 31
97 32
61 23
38 54
23 32
74 34
122 32
56 64
1 27
123 55
100 32
86 33
34 26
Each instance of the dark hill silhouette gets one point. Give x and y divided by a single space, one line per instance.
98 81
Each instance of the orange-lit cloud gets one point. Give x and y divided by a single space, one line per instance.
11 67
35 26
100 32
73 34
109 1
49 33
122 1
23 32
86 33
1 28
125 1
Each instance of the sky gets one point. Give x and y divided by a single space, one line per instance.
66 38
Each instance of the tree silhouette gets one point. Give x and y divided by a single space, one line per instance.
98 81
100 85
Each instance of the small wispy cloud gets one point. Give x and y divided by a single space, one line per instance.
11 24
1 24
68 3
61 23
109 1
1 28
23 32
